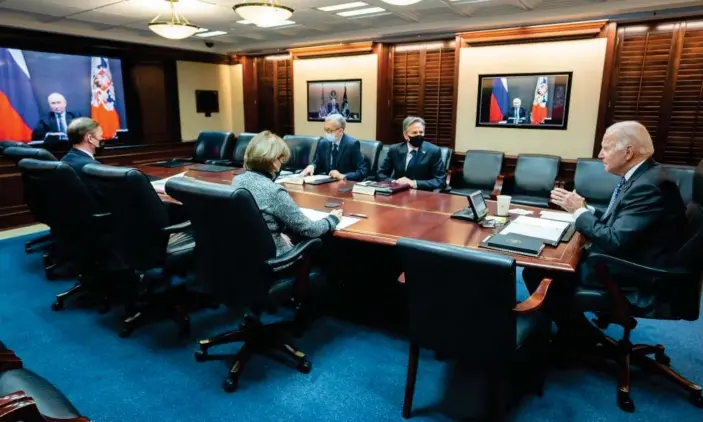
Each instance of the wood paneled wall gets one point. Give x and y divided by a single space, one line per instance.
657 79
269 82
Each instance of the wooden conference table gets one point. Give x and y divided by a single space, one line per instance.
411 214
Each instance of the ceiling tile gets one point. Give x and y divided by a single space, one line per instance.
104 18
44 7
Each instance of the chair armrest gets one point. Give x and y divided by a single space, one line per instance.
9 360
498 188
445 189
294 254
177 228
219 162
642 271
536 299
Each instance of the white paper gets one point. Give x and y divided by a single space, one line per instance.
309 179
316 215
559 216
520 211
541 228
160 185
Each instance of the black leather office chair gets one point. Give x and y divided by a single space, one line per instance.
28 397
213 145
371 150
683 177
462 306
236 262
9 144
302 151
147 241
382 154
77 223
594 183
240 147
533 180
42 243
481 171
447 154
637 291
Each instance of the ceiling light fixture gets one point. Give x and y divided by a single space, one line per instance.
342 6
210 34
177 28
358 12
401 2
266 12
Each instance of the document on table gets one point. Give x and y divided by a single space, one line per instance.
316 215
556 215
160 185
550 231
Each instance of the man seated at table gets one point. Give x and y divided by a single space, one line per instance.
414 162
644 223
338 154
86 137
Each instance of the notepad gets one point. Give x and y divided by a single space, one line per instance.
160 185
550 231
316 215
559 216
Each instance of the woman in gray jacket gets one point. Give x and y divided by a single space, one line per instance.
263 158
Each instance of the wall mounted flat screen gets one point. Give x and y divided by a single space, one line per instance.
42 93
524 101
207 102
334 97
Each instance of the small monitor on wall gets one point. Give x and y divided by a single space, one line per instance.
207 102
524 100
334 97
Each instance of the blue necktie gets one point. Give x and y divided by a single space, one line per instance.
59 117
413 155
616 193
334 158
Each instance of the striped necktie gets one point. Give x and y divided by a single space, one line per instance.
616 193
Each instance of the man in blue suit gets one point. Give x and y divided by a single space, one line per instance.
338 154
86 136
58 119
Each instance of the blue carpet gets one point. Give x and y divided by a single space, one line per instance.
358 372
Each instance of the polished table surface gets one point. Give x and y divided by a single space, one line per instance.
411 214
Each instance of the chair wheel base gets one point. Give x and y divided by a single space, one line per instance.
230 385
57 306
304 366
200 355
696 399
625 402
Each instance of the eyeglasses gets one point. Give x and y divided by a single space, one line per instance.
331 130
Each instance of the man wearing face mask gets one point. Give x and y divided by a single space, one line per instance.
338 154
86 137
415 162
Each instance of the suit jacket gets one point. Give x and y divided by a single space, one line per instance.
350 162
511 115
78 159
646 224
50 124
428 169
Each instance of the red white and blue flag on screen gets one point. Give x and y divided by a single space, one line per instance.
19 111
539 105
102 103
499 100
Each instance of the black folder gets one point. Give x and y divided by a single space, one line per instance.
514 243
211 168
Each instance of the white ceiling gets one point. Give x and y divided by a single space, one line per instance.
126 20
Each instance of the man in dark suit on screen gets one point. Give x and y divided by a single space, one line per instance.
415 162
517 114
338 154
58 119
644 223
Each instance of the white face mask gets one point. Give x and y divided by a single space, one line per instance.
330 137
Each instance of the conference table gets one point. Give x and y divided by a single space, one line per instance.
411 214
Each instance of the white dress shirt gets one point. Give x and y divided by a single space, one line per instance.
589 208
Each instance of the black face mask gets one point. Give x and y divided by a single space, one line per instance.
416 141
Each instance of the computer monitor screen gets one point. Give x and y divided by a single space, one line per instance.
334 97
42 93
524 101
478 205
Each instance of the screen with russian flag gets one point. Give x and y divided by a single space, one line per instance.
41 93
522 101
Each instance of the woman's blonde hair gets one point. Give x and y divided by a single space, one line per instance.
263 150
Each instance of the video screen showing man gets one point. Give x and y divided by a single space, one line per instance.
57 120
517 114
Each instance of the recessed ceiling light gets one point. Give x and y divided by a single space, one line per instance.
271 25
210 34
358 12
243 22
402 2
342 6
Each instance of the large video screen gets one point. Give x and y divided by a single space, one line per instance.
334 97
524 101
41 93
